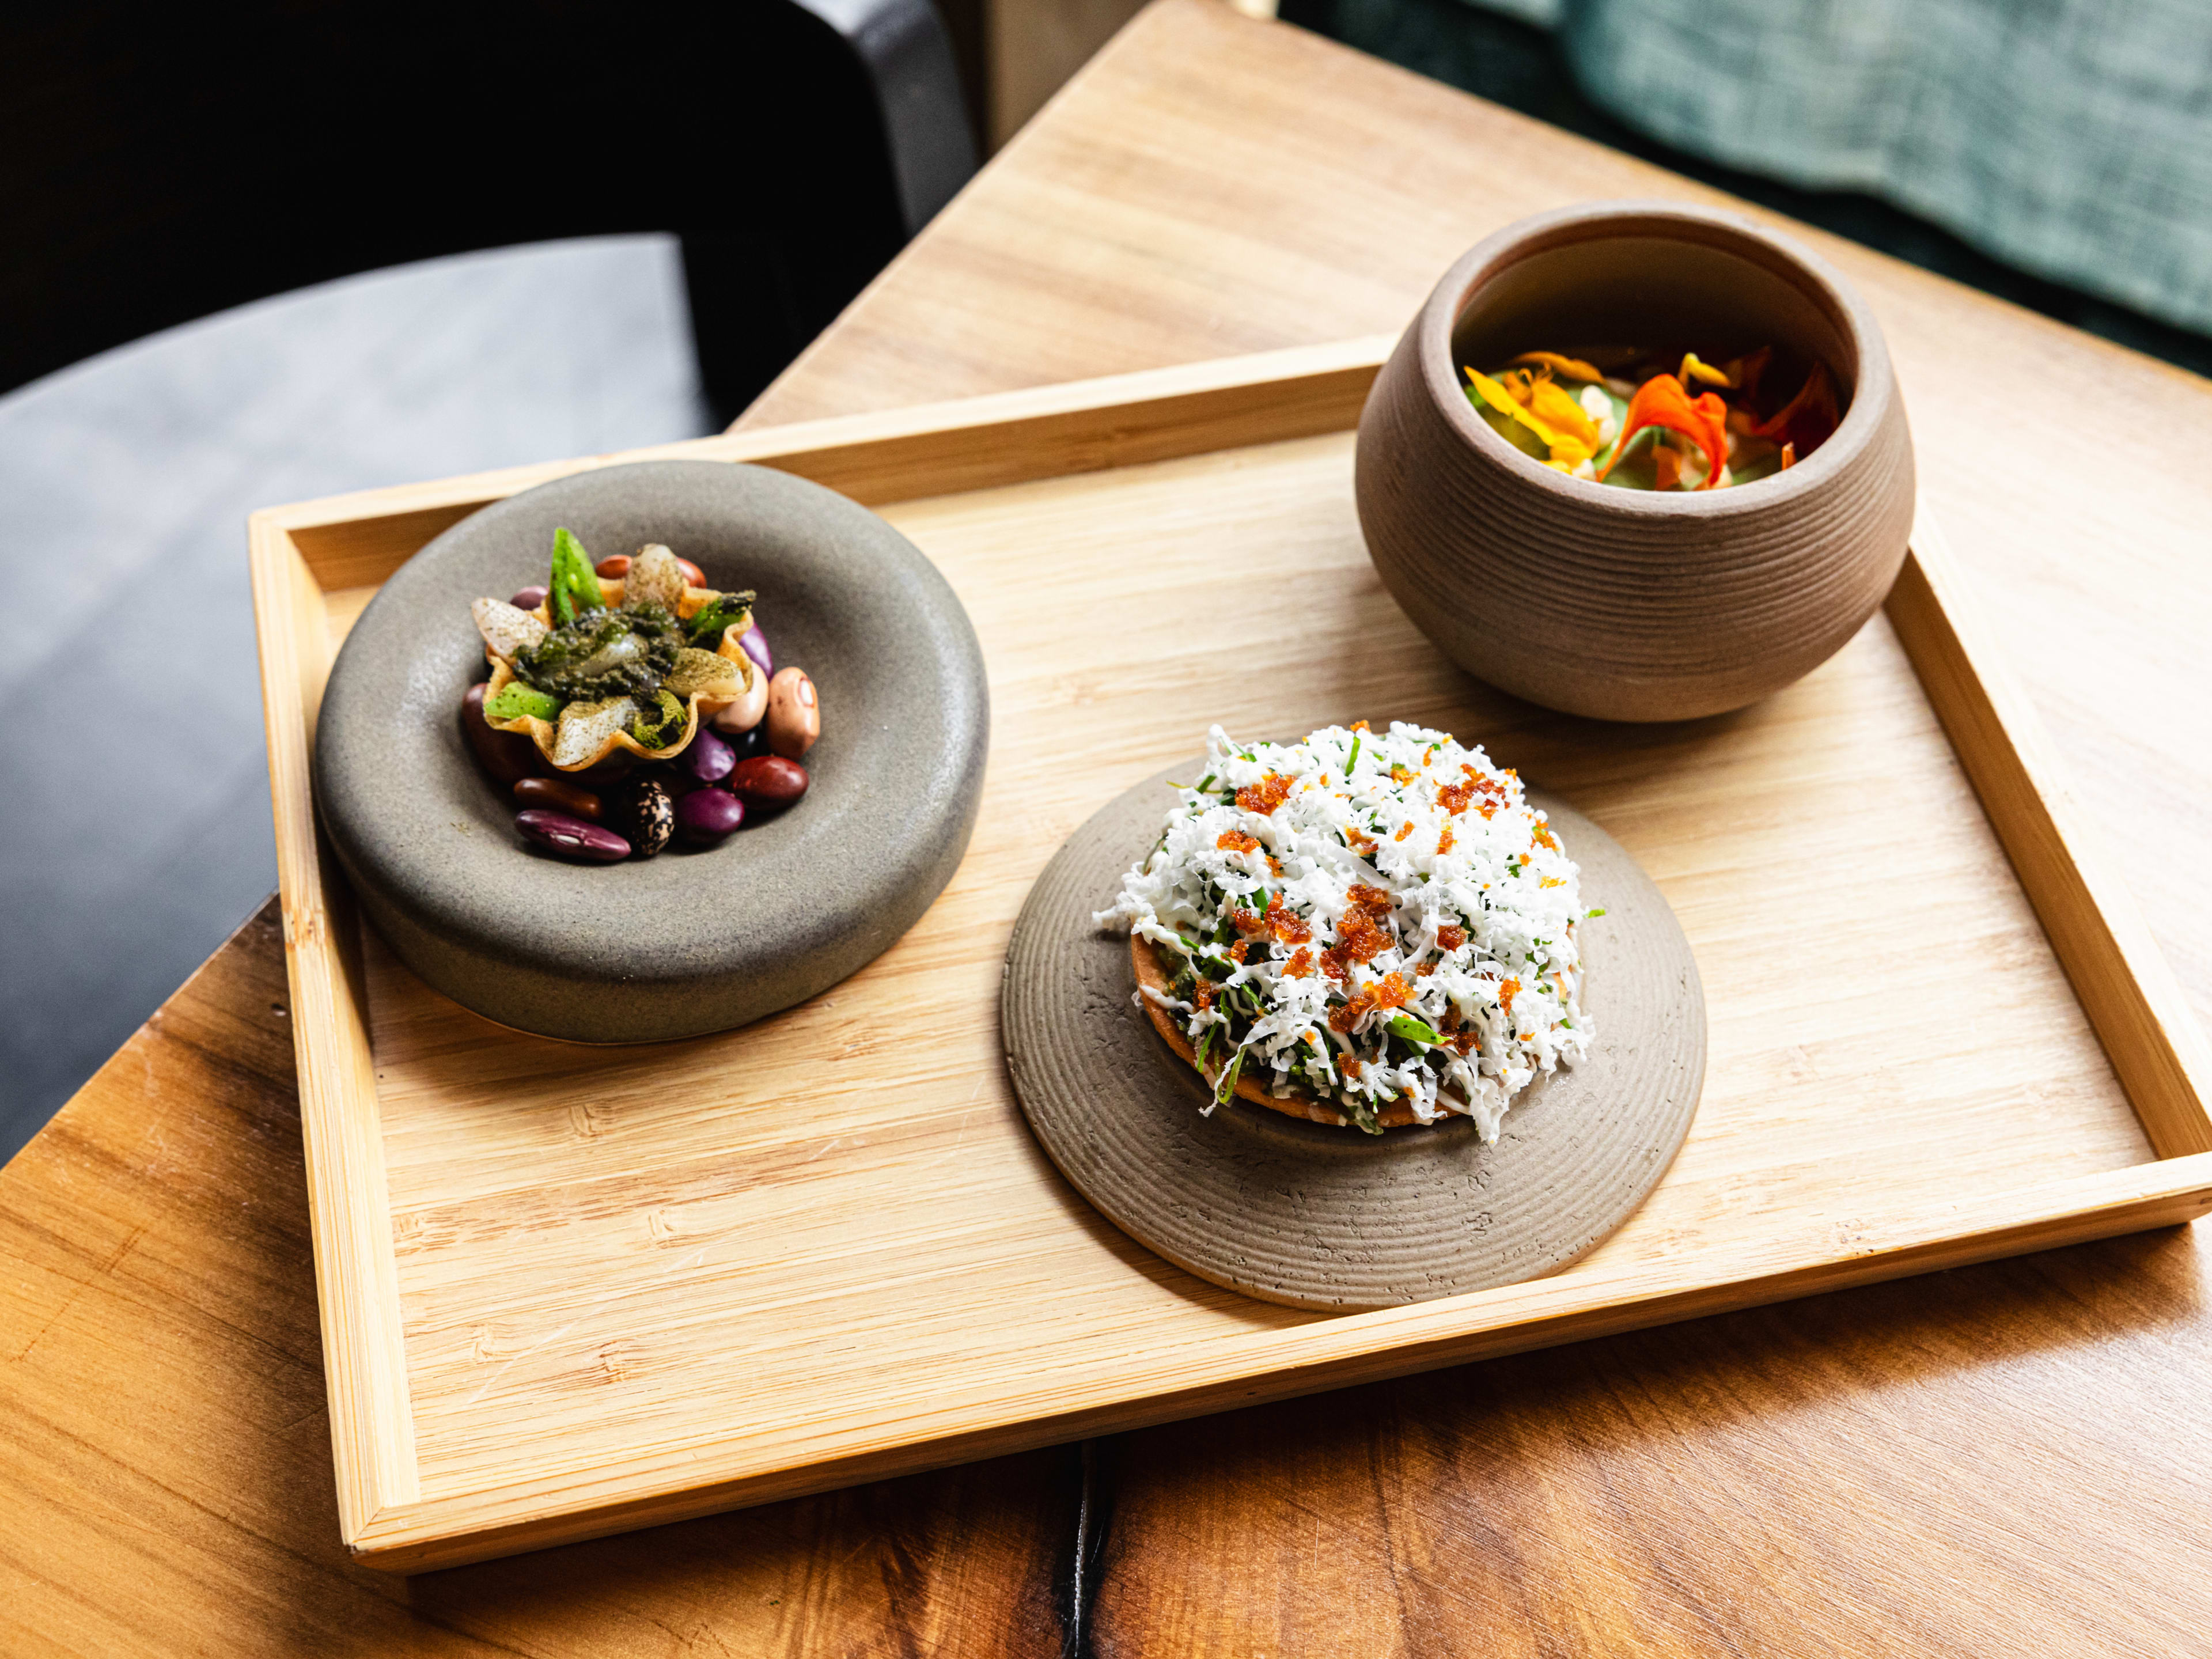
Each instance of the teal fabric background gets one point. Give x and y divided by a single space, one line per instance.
2070 138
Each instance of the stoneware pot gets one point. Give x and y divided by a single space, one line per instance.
1621 603
690 941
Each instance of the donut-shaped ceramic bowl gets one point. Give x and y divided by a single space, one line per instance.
690 941
1630 605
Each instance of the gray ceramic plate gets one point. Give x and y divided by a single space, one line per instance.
689 942
1325 1217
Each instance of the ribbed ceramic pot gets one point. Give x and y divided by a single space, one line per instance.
1621 603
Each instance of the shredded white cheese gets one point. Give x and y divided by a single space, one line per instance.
1368 919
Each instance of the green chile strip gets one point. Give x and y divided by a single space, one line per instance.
718 613
574 588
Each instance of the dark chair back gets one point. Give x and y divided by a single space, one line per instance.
165 162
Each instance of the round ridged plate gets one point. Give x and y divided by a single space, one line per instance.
1316 1217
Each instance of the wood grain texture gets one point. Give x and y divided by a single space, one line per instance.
2002 1459
168 1445
1983 1464
585 1242
2095 925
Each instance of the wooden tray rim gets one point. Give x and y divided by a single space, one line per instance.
301 552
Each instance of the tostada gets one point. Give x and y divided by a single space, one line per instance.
1362 928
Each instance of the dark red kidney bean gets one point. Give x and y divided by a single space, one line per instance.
559 795
705 818
709 760
651 816
529 599
756 644
571 838
692 574
507 757
767 783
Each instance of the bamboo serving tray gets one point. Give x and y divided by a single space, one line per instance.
567 1291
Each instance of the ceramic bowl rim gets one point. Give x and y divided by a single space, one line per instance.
548 947
1592 222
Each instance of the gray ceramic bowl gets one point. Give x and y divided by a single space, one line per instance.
691 941
1629 605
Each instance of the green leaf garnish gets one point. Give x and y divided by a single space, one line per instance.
514 700
1413 1030
574 588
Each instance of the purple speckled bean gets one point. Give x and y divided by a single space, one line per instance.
571 838
709 760
756 644
529 599
705 818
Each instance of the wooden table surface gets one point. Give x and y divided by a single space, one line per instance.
2004 1460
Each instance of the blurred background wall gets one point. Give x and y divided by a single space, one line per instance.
2056 153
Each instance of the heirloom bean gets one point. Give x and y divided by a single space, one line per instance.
559 795
508 756
571 838
767 783
794 713
651 816
709 759
529 599
746 713
756 644
706 817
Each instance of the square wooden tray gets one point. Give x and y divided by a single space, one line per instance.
567 1291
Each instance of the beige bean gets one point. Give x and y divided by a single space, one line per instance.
794 713
746 713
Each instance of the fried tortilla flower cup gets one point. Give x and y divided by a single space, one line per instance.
600 667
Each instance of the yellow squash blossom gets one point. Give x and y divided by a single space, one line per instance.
1554 404
1570 441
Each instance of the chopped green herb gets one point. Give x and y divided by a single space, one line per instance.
659 722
